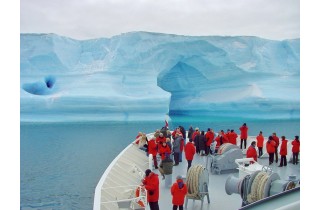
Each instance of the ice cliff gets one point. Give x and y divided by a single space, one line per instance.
143 76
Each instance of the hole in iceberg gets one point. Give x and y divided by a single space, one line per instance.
41 88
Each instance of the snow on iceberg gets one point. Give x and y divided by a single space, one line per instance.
143 76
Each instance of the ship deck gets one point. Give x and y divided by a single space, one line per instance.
123 172
219 199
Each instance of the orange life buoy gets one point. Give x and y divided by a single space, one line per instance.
137 195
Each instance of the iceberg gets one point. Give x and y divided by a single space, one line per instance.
145 76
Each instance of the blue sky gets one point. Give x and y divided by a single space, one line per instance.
85 19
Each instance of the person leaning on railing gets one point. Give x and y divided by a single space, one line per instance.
151 184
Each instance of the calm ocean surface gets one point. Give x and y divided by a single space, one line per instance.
61 163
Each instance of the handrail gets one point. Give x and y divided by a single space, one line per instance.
140 200
243 161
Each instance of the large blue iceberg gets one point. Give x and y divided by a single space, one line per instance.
144 76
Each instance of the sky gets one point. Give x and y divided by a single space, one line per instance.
87 19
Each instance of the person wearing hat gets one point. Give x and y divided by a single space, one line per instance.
179 191
166 166
195 133
151 184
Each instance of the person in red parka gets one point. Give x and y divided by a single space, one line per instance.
161 138
151 184
152 149
283 151
164 149
195 133
179 191
243 135
252 152
233 137
260 140
271 148
176 131
209 136
295 149
189 150
220 139
276 139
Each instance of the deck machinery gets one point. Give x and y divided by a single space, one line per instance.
225 158
256 182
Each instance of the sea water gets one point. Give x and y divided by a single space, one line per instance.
61 163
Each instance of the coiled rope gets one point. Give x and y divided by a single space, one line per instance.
193 176
258 186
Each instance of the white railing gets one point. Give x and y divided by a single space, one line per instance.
131 196
131 166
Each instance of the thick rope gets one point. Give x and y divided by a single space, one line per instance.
258 186
262 186
193 181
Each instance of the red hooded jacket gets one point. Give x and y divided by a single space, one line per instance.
152 147
209 136
276 139
189 150
252 153
178 195
233 138
295 146
163 150
271 146
218 138
175 132
194 134
244 132
283 148
151 183
160 139
260 140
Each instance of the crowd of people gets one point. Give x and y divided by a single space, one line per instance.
165 144
272 146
